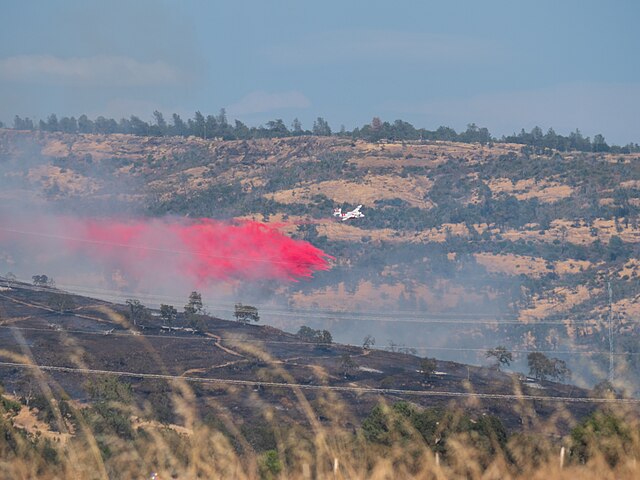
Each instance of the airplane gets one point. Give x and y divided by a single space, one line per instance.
108 332
355 213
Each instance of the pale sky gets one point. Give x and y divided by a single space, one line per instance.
501 64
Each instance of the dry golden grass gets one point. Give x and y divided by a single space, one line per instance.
365 191
513 264
315 451
545 191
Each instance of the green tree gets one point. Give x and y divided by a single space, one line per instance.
197 126
246 313
178 127
84 124
428 367
296 127
325 337
241 130
210 126
311 335
23 123
277 128
42 280
159 118
501 355
539 365
599 144
194 305
615 248
168 313
61 302
321 127
347 365
543 367
52 123
137 311
138 126
368 342
68 125
109 125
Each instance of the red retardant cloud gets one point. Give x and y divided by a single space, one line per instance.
203 250
209 250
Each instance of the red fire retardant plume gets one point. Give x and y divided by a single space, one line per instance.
205 250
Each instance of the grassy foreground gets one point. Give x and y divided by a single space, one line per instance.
111 437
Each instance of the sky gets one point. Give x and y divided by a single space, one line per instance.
504 65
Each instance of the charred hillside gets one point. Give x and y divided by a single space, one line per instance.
81 343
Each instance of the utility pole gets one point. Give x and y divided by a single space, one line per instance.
610 332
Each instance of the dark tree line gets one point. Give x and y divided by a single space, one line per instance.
574 141
209 127
218 126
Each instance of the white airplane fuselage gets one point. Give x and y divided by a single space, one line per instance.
355 213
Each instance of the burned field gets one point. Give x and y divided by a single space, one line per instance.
242 369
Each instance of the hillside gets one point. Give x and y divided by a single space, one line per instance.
242 366
517 242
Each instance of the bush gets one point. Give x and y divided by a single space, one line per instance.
270 465
602 433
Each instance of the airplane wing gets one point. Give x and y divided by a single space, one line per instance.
357 209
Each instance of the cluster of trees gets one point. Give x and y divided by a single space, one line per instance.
543 367
168 313
42 281
434 426
540 366
311 335
401 130
604 434
218 126
473 441
574 141
209 126
246 313
193 311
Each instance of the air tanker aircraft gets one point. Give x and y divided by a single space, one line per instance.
355 213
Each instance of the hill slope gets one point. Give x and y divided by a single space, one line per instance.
242 366
523 241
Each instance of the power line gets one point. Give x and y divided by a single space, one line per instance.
360 315
74 289
364 317
405 348
294 342
346 389
269 309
